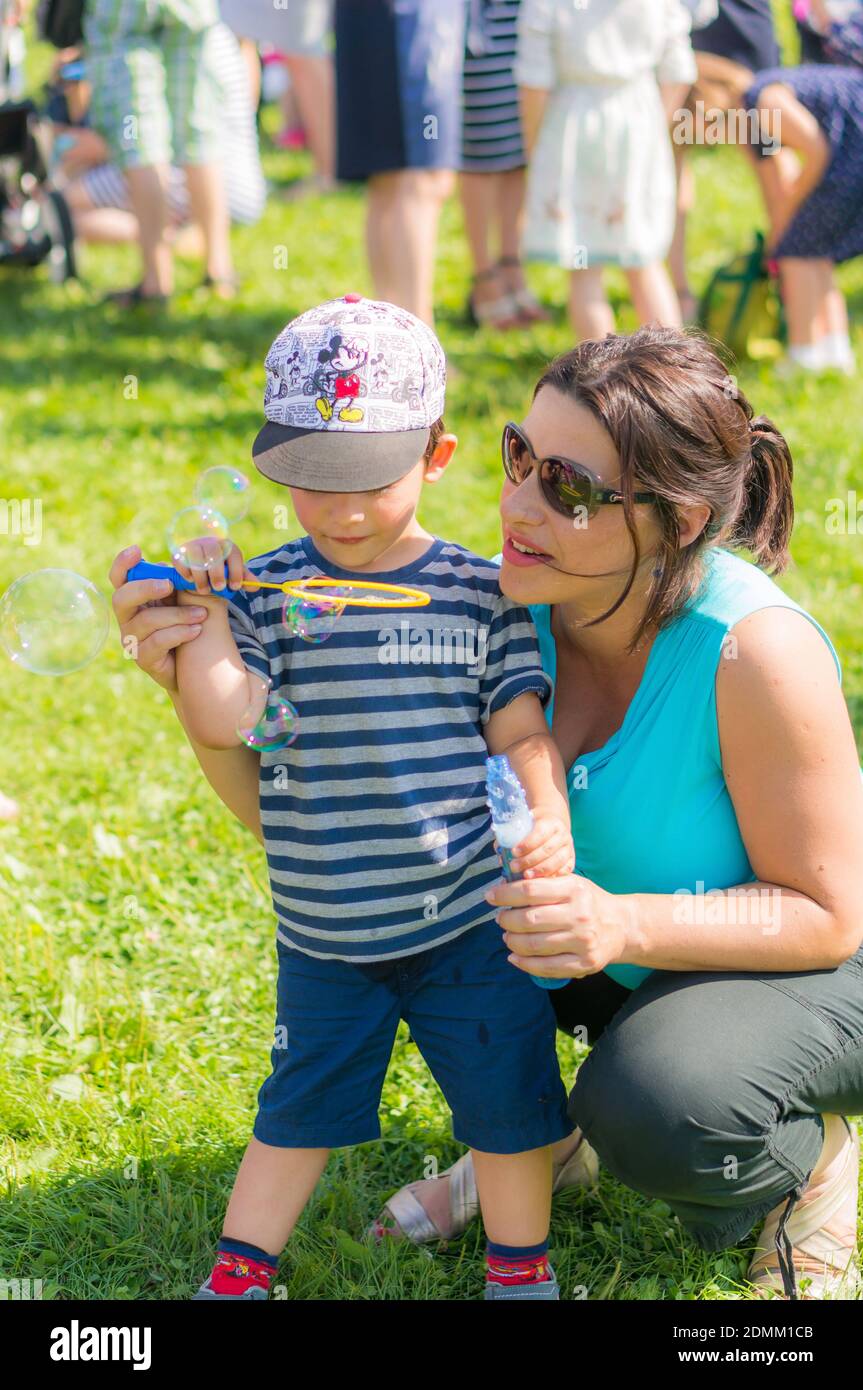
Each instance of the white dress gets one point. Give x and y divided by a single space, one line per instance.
601 185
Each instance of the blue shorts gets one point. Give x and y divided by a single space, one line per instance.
485 1030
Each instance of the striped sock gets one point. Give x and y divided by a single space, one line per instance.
239 1265
517 1264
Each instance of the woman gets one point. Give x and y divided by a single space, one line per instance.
700 716
598 87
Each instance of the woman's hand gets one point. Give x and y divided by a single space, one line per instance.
562 928
151 620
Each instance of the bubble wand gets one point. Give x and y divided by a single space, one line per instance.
403 595
511 822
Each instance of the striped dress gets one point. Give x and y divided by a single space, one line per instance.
491 132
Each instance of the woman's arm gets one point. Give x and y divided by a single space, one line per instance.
534 67
152 628
793 776
212 680
232 773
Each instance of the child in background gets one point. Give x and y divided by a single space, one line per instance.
599 84
378 837
817 217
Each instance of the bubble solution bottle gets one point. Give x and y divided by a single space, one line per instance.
511 822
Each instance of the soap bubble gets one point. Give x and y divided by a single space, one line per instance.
268 722
226 490
312 616
53 622
199 537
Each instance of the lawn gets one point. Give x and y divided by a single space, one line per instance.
138 968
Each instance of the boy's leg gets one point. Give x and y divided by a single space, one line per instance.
335 1025
514 1195
488 1036
194 97
270 1193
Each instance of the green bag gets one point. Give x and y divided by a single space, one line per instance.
742 306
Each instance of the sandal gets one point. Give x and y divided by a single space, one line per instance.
501 313
412 1221
813 1234
224 286
133 298
529 308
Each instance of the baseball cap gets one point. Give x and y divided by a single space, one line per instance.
353 387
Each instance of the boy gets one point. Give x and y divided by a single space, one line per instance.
378 838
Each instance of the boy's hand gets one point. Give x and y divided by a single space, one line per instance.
547 851
208 576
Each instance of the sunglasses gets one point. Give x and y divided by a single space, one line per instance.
566 486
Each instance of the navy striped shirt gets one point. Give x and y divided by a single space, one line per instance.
377 834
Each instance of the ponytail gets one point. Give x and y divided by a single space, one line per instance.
764 524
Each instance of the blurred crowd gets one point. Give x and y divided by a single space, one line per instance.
565 125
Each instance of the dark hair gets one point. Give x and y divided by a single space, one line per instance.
435 432
684 431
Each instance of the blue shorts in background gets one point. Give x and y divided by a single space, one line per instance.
486 1032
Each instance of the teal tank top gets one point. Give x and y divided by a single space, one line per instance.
650 809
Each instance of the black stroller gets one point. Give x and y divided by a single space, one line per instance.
35 222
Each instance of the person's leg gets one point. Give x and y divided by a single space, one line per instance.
590 313
252 61
677 255
194 96
709 1091
270 1193
511 190
653 296
583 1009
314 90
478 200
209 210
401 235
148 190
129 109
515 1195
97 224
489 301
802 297
335 1025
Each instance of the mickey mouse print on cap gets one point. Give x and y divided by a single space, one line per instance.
353 387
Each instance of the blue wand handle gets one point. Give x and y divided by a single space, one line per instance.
145 570
506 860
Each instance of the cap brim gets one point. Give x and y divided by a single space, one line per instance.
336 460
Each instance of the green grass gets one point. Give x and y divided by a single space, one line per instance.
137 947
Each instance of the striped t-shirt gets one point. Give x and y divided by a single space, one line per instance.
377 834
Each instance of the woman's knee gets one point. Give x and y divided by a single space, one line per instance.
658 1126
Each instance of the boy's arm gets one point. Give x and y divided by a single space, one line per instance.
212 680
520 731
